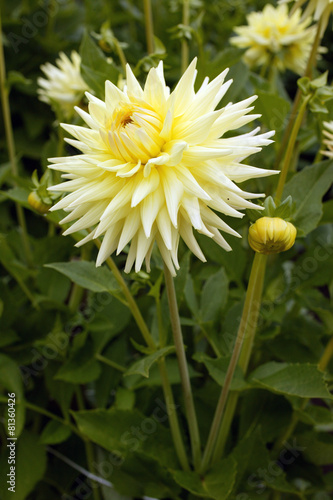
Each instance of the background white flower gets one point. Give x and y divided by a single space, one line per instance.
64 86
155 165
273 37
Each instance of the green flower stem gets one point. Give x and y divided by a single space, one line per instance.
77 291
44 412
326 357
245 336
11 147
121 55
322 365
183 369
130 301
89 448
75 298
109 362
149 26
173 419
297 100
132 304
174 425
168 394
185 47
290 148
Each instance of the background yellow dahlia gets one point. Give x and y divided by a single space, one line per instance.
317 8
64 86
155 165
273 37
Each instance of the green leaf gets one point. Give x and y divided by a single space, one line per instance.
126 432
54 432
137 381
125 399
217 484
307 189
318 448
87 275
81 367
7 337
95 68
252 450
214 296
299 379
273 109
217 369
15 78
29 467
11 380
19 195
143 366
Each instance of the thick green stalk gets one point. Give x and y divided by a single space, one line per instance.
168 394
290 148
183 369
11 146
245 335
149 25
173 419
185 47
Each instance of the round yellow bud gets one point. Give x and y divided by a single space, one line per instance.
271 235
35 202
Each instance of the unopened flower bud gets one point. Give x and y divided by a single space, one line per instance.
35 202
270 235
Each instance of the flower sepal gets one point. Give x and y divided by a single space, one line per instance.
284 210
318 90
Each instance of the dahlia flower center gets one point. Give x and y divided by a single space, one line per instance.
134 134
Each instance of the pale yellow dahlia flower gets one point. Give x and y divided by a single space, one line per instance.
328 133
155 165
275 38
317 8
64 86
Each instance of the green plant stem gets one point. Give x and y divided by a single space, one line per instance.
322 365
149 26
245 336
173 419
44 412
11 147
327 355
185 46
183 369
167 390
130 301
89 448
168 394
75 298
109 362
297 100
290 148
121 55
